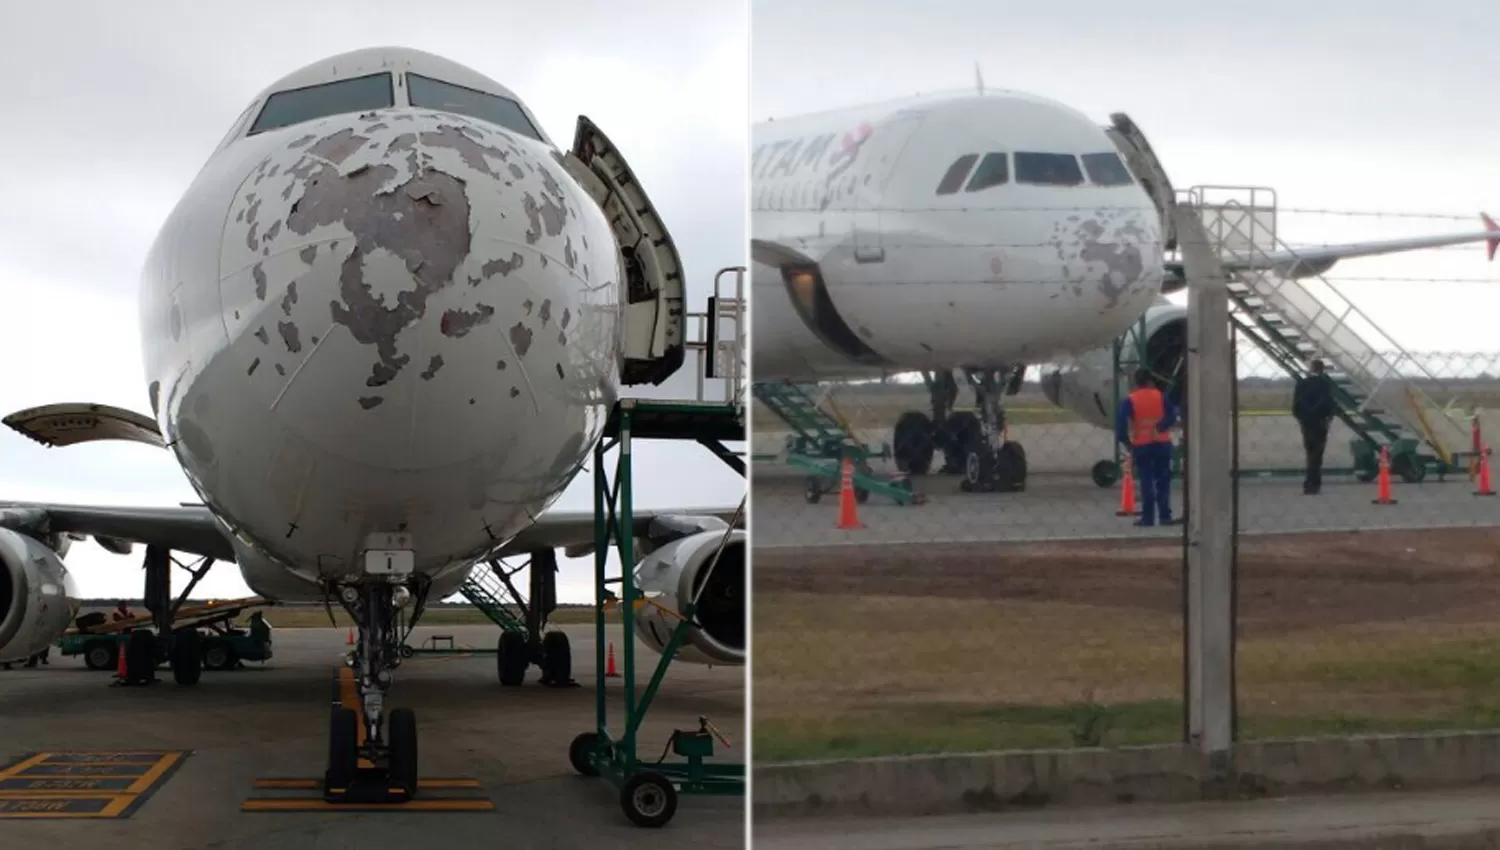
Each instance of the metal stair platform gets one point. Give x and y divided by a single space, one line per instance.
1379 385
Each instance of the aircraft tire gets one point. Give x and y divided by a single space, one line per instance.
649 800
512 657
343 748
913 441
140 656
557 659
186 657
1009 468
402 738
958 436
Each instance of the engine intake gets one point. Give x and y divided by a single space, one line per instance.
1086 385
38 598
670 576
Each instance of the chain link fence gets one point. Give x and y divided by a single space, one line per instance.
1044 617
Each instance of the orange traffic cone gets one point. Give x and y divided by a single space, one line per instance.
1484 488
1384 478
120 667
1127 492
609 666
351 635
848 513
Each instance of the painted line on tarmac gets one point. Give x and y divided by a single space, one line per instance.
84 783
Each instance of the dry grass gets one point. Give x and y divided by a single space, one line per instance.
872 675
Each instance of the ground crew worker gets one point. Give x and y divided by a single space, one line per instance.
1313 407
1144 423
121 612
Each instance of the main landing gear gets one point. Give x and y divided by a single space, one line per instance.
372 758
972 445
180 648
527 642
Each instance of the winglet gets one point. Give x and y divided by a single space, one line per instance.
1490 244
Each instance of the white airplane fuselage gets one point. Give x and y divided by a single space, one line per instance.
399 320
914 279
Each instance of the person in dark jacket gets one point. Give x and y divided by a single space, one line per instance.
1314 407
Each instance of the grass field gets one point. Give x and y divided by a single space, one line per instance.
1085 648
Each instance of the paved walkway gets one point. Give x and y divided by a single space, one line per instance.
1453 819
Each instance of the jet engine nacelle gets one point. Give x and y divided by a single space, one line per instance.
38 598
1086 385
672 574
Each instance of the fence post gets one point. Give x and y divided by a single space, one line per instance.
1208 619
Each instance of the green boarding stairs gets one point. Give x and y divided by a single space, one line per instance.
819 442
488 593
1379 385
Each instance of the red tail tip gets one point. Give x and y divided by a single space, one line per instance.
1490 244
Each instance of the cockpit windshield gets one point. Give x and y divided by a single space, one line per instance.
360 94
1106 169
1048 169
428 93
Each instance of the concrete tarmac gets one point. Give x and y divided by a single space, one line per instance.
273 722
1450 820
1069 507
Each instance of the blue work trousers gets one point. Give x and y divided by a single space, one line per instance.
1153 470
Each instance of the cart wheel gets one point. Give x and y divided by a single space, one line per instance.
1410 470
649 799
216 656
861 495
101 655
579 751
407 651
814 491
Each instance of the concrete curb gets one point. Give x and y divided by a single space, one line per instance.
1030 779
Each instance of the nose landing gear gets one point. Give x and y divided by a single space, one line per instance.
371 758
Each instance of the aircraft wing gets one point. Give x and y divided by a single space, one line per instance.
1306 262
573 531
182 529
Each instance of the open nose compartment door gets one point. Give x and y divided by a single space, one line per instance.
653 288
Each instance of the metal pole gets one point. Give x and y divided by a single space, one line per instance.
1211 489
627 577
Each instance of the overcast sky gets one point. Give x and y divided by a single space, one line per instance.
1378 105
115 107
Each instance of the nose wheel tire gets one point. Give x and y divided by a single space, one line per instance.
343 748
402 740
649 799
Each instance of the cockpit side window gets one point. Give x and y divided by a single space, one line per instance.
993 170
428 93
360 94
1106 169
1048 169
956 173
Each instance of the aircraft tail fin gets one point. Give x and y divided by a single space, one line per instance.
1491 244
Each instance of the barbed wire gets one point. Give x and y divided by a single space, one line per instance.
1097 208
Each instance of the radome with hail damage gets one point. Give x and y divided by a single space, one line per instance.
382 330
979 233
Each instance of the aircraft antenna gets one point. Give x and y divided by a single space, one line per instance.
978 77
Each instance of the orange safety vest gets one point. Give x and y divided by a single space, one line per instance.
1148 408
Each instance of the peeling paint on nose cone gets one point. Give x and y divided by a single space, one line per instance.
379 266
